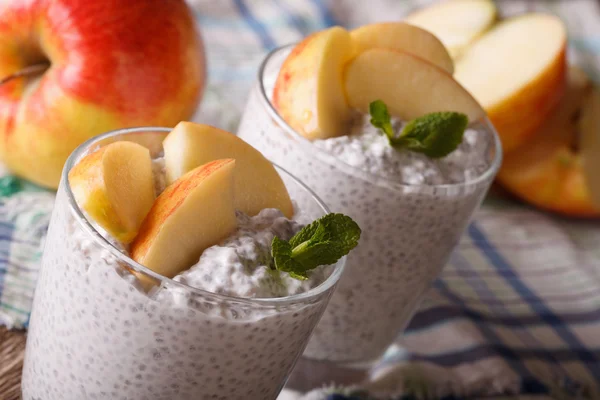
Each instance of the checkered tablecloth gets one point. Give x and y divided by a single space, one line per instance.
516 311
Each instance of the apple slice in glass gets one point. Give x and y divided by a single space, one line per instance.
191 214
115 186
257 183
410 86
403 37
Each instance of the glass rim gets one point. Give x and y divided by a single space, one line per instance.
89 228
330 159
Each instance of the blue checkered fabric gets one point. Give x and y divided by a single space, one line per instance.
516 311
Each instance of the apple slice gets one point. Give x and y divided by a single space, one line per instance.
257 185
547 171
308 92
517 71
409 85
403 37
457 23
115 186
589 127
193 213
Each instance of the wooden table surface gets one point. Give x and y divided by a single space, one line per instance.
12 348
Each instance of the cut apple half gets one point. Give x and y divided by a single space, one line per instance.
115 187
548 171
308 93
517 72
456 23
403 37
191 214
257 185
410 86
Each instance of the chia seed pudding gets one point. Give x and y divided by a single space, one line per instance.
412 211
228 327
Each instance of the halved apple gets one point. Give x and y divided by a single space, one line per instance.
257 185
308 92
409 85
457 23
547 171
517 71
403 37
115 186
193 213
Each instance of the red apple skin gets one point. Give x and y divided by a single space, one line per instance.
114 64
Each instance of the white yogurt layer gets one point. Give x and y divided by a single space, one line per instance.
242 265
368 149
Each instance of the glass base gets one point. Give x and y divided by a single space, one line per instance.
310 374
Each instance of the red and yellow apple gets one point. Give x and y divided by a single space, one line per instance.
257 185
517 72
115 186
71 69
456 23
549 170
191 214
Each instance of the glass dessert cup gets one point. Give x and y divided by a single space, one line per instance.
95 333
408 231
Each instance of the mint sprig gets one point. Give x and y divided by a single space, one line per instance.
323 242
380 118
436 135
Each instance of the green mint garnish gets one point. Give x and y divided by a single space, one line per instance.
323 242
380 118
436 135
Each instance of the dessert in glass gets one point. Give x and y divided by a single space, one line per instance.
159 280
373 121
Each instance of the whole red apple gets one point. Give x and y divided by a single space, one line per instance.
71 69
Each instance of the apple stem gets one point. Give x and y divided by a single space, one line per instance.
31 70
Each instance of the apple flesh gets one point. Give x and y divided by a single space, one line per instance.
308 93
257 185
410 86
193 213
403 37
548 171
517 71
110 64
457 23
115 186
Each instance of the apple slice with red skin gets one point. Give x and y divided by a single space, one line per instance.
403 37
548 171
115 186
410 86
257 183
308 92
191 214
97 66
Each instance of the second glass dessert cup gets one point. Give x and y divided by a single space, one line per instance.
95 333
409 231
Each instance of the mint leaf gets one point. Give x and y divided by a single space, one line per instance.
323 242
380 118
282 255
436 135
